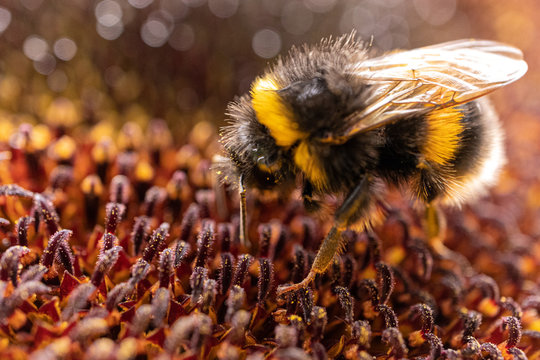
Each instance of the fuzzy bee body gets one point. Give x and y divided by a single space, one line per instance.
344 122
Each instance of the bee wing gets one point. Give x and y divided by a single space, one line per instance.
417 81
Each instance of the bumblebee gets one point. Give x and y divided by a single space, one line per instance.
342 122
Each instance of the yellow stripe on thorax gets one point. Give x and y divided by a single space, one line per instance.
274 113
311 165
442 140
277 116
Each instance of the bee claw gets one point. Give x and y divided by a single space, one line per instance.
283 289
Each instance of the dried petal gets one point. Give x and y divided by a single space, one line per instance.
160 306
487 285
393 337
513 325
60 177
21 293
92 188
390 318
493 352
193 328
78 300
226 272
426 317
265 236
15 190
435 345
199 275
517 353
306 302
191 216
471 323
361 333
105 262
510 304
10 266
299 271
113 214
385 281
205 242
472 347
47 213
119 190
286 336
34 273
139 234
347 303
165 267
64 256
108 241
349 270
118 293
21 228
235 301
48 256
224 236
159 236
423 256
175 187
142 318
266 277
319 319
208 296
88 329
180 252
369 286
139 271
153 197
374 247
242 266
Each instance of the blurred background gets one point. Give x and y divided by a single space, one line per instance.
82 63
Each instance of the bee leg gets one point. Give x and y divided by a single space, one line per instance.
355 207
435 224
243 237
310 204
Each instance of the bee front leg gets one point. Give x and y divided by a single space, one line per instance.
355 207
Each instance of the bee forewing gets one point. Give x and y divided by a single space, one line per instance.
470 68
407 82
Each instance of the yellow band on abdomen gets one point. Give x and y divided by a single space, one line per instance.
442 139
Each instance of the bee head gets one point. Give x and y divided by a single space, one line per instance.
251 152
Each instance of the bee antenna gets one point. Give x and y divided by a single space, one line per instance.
243 211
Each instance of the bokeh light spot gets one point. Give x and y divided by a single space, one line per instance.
110 32
194 3
182 37
223 8
108 13
35 47
65 49
5 19
45 65
140 4
435 12
57 81
154 33
296 18
266 43
320 6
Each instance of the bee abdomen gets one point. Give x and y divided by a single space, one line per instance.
462 156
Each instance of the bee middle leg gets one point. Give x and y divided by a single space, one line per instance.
355 207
